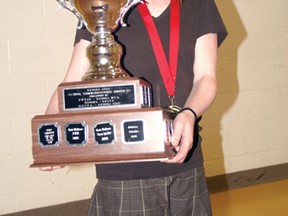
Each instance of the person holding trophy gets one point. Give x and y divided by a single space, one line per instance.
173 45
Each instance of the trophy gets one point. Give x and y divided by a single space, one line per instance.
108 116
115 88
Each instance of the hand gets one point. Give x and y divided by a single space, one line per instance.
182 139
51 168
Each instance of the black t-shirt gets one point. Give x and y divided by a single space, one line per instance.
198 17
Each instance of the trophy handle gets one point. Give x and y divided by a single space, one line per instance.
130 3
125 9
67 4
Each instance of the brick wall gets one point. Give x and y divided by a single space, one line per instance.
246 127
36 42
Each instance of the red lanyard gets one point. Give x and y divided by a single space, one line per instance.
168 70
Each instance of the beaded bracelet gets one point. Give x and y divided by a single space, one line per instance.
191 110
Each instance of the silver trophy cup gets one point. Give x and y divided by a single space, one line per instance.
100 17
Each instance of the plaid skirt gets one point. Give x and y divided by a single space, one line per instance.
182 195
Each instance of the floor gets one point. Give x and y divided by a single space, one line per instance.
270 199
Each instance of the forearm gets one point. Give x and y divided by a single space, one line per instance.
202 95
78 66
52 107
200 98
204 88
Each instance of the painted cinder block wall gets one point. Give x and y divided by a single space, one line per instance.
245 128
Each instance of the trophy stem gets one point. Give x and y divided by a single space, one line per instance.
104 54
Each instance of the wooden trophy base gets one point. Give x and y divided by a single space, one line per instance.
102 137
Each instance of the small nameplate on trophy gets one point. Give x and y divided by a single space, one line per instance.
76 133
93 97
133 131
104 133
48 134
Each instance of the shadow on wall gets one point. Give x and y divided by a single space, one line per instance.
228 90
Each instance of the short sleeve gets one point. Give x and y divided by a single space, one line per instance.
82 33
211 21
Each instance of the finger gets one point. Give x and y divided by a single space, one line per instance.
177 133
182 149
174 160
50 168
179 157
45 168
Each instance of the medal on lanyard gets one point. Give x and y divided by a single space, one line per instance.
168 70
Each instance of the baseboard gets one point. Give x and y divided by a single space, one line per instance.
215 184
77 208
247 178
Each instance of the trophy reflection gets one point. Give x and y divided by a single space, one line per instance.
108 116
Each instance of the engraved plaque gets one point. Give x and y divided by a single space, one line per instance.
128 93
133 131
104 133
49 134
101 96
76 133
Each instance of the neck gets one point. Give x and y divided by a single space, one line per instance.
157 7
